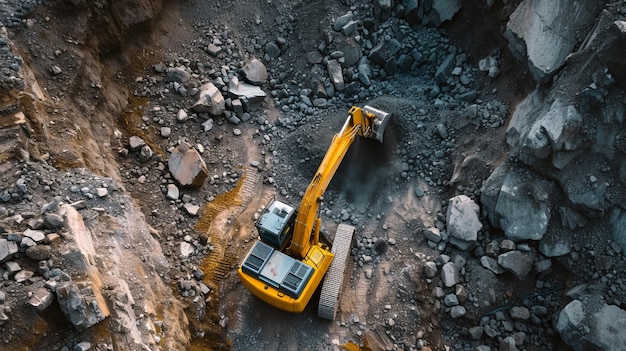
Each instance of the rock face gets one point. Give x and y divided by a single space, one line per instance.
589 323
187 166
211 100
463 222
546 32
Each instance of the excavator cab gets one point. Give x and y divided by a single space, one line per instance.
276 223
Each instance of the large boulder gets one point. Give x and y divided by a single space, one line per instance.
546 32
80 305
462 221
187 166
521 208
254 72
589 323
540 128
210 101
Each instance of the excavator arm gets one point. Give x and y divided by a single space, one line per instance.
368 122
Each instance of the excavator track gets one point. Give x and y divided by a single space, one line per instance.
331 288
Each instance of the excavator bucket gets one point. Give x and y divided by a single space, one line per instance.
379 123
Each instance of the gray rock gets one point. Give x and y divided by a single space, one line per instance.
450 274
238 108
102 192
450 300
520 313
51 206
517 262
462 221
210 100
546 34
336 75
491 264
349 27
172 192
177 74
476 332
432 234
39 252
555 246
186 249
135 143
80 306
540 127
521 207
430 269
52 221
457 311
249 92
187 166
82 346
603 324
508 344
166 132
342 21
182 115
191 209
207 125
272 49
12 267
213 50
41 299
254 72
384 50
36 235
542 265
23 275
618 226
445 69
145 154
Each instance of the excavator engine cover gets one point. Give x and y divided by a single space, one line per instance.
379 124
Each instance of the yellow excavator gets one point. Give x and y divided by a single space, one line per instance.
287 263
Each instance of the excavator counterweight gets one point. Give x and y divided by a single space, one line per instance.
288 262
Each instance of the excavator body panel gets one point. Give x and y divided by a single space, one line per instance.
279 279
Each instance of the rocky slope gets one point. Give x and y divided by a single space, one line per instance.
141 138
